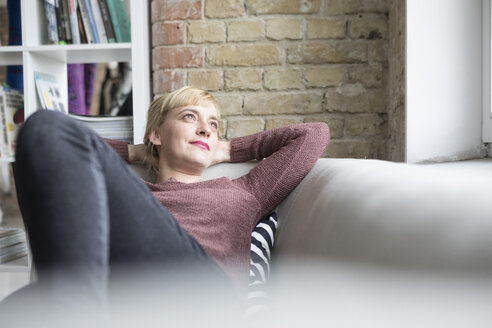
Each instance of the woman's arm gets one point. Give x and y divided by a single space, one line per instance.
287 155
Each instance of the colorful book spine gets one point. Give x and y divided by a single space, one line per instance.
85 21
96 11
108 26
121 22
62 38
83 37
92 21
74 23
66 20
50 12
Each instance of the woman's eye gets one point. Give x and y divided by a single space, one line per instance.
188 116
215 125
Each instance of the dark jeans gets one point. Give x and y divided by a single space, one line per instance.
89 217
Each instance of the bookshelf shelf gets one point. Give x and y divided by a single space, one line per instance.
10 55
100 53
19 265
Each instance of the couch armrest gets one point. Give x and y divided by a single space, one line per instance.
392 213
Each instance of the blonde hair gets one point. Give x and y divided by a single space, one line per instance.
162 105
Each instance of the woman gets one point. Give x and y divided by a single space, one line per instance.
86 211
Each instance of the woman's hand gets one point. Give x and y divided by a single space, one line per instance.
222 153
136 153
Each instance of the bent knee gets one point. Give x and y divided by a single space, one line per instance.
39 129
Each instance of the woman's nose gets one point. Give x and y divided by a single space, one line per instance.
204 130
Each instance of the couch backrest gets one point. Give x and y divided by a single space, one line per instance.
229 170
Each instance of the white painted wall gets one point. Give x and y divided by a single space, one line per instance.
444 80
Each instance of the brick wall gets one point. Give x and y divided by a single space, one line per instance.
277 62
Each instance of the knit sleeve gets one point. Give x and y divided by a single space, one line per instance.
287 155
120 147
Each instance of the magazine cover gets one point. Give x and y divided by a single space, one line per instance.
49 92
11 118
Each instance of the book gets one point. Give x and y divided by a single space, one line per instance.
83 36
74 21
13 252
4 144
85 22
50 13
108 26
112 127
49 92
59 23
120 20
92 21
11 117
96 11
11 236
66 20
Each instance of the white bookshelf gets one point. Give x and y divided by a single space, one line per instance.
36 55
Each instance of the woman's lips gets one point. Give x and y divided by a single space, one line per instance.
200 144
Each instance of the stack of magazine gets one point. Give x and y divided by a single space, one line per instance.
111 127
13 244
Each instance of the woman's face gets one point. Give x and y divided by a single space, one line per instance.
188 138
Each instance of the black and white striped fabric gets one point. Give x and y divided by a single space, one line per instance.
262 240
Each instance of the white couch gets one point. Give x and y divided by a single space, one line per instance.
370 243
362 243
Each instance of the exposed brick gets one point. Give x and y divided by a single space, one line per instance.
336 124
274 123
224 8
282 6
355 149
206 31
243 55
368 27
222 128
229 104
245 31
210 80
175 57
173 10
363 125
371 76
243 79
167 81
342 7
284 103
320 28
168 33
283 28
323 53
243 127
378 50
278 79
371 101
322 77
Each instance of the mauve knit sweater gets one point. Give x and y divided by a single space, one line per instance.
221 214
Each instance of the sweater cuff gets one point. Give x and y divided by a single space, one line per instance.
120 147
240 150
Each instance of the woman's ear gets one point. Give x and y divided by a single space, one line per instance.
155 138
